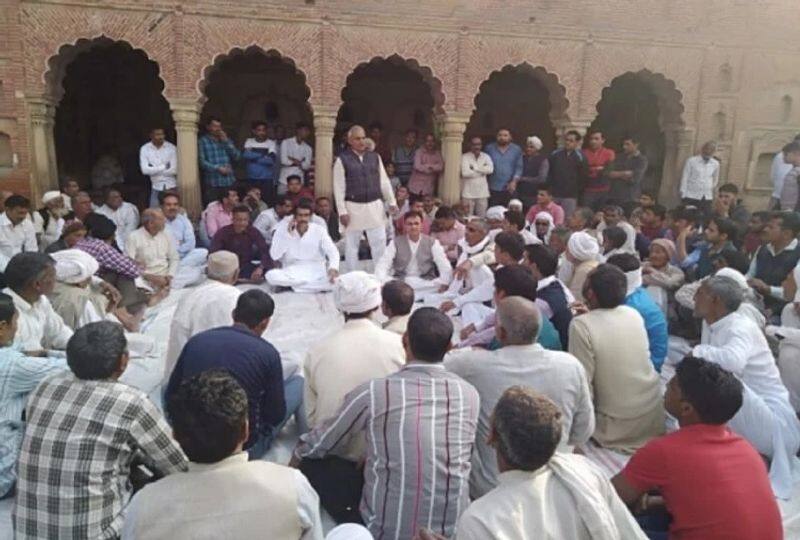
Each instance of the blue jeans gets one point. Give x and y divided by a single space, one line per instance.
293 395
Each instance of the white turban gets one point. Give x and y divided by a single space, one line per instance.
496 212
544 216
535 141
74 265
634 279
50 196
735 275
515 204
357 292
583 246
349 531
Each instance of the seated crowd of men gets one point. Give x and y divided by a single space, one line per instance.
614 372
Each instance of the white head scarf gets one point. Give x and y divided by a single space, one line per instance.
349 531
735 275
74 265
50 196
357 292
535 141
496 212
634 279
583 246
551 225
515 204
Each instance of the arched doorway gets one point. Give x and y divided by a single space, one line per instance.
251 84
397 93
110 98
524 99
645 105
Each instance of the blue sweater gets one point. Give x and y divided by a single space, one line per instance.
654 322
252 361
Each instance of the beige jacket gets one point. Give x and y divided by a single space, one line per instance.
359 352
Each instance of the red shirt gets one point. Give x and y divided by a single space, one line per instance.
597 161
714 484
304 193
553 209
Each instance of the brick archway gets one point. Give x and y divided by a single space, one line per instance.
524 98
396 92
58 63
248 84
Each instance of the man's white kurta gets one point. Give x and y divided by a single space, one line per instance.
208 306
363 216
766 418
303 258
39 327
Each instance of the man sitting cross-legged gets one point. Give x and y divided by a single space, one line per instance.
247 243
209 415
713 482
521 360
253 362
85 431
542 493
420 428
153 250
303 248
415 258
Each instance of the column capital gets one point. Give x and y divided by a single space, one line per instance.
41 110
454 124
185 112
325 119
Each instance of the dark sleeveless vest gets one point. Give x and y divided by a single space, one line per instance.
554 295
773 269
362 178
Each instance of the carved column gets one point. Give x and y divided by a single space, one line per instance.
324 125
44 171
678 147
186 114
453 126
566 124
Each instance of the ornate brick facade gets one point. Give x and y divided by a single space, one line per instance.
721 70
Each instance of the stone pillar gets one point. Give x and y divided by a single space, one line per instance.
186 114
324 125
44 171
566 124
453 126
678 147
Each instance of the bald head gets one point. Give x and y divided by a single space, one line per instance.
356 138
518 321
153 220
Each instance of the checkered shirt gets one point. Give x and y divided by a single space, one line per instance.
80 440
215 154
109 258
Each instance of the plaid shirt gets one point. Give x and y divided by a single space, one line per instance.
79 443
214 154
109 258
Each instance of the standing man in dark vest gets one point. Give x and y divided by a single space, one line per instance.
774 261
415 258
360 187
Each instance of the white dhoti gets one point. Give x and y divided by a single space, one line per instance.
302 277
369 218
422 287
191 269
474 313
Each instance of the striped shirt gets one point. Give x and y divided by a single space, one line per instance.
420 427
